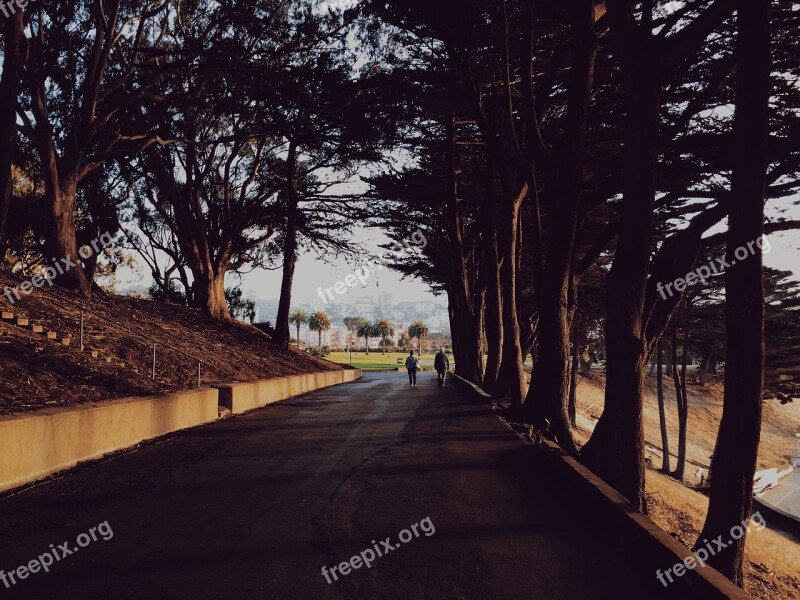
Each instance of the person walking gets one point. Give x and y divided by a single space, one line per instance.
412 364
441 363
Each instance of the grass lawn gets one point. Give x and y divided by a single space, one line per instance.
376 360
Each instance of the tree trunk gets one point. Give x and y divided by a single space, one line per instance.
548 395
493 316
466 303
734 461
493 319
682 401
209 292
511 374
289 253
466 328
9 90
709 364
669 357
61 240
662 416
616 449
573 386
712 359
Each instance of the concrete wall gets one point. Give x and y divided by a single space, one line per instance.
37 444
241 397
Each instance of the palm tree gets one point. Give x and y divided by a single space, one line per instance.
298 317
418 330
319 322
384 329
364 330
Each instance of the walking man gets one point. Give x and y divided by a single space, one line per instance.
412 364
441 363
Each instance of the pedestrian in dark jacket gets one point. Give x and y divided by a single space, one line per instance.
412 364
441 363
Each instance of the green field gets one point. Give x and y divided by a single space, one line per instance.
376 360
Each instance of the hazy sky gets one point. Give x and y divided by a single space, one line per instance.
312 273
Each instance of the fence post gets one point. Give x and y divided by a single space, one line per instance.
81 330
154 361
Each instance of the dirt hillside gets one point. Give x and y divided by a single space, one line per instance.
773 567
36 371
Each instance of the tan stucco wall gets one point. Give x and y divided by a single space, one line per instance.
241 397
37 444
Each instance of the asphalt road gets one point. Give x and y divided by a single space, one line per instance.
255 506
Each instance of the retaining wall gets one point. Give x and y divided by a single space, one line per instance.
241 397
36 444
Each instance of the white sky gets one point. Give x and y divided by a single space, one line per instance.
312 273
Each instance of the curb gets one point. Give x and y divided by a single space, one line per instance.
647 538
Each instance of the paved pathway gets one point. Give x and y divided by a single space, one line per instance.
255 506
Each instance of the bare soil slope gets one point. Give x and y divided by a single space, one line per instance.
773 568
36 371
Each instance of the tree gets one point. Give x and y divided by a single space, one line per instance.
210 200
170 292
679 380
404 341
548 394
635 317
317 109
366 330
239 307
13 46
297 318
734 462
319 322
351 323
418 330
662 416
383 328
88 68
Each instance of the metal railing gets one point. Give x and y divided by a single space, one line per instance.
128 329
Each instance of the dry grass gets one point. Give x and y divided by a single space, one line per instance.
773 570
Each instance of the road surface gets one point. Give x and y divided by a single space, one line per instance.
255 506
